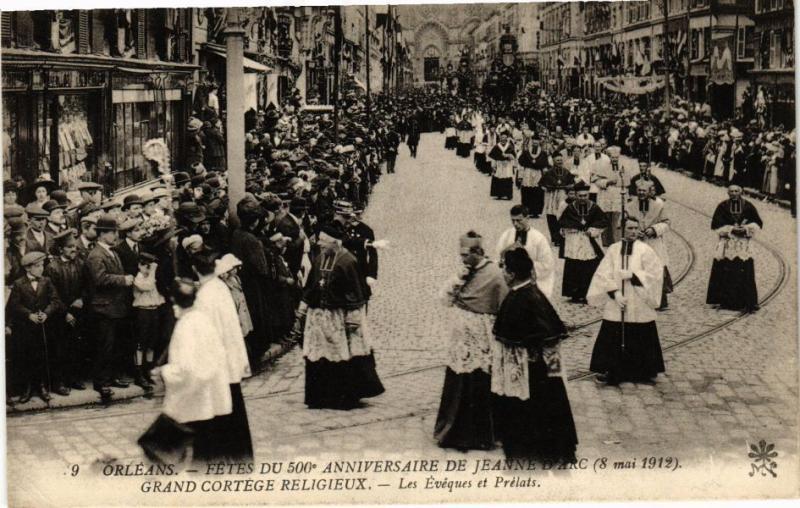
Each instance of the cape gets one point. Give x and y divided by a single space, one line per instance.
724 217
526 318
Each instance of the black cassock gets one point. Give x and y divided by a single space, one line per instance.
503 177
732 284
541 427
533 197
578 273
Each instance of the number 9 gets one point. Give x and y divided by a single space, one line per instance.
75 469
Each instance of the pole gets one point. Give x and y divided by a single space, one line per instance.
369 56
337 55
234 111
622 195
735 51
667 59
46 360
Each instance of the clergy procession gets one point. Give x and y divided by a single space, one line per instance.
191 291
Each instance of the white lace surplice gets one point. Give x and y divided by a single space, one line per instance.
510 371
470 341
325 335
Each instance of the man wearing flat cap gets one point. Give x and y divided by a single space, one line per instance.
36 238
107 305
32 305
65 270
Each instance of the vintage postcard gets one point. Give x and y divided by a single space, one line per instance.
389 254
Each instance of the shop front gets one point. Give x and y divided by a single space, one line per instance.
76 118
52 122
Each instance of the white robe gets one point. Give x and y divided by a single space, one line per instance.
538 248
608 183
215 299
654 218
642 300
195 380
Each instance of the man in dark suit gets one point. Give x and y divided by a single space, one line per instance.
107 303
35 237
358 240
31 304
127 248
289 224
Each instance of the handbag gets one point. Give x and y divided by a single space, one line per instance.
166 440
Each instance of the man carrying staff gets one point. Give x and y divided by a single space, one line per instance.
582 222
608 179
465 418
732 284
627 284
653 225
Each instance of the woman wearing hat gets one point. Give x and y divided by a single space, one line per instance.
40 190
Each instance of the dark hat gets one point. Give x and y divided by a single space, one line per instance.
89 186
63 238
333 231
249 208
106 222
145 258
298 203
180 178
10 211
343 207
580 186
51 205
213 182
34 210
61 197
272 203
50 185
108 205
198 180
33 258
86 208
131 199
18 224
10 186
191 212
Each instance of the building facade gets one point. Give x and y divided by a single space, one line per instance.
83 91
773 52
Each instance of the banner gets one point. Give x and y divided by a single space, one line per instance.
631 85
721 62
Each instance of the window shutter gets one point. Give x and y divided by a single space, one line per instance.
98 30
141 41
5 29
83 35
24 28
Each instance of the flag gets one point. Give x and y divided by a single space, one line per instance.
721 61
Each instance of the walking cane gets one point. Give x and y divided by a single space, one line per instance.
46 360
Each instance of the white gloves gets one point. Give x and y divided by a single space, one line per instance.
380 244
371 282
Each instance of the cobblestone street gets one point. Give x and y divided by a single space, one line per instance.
731 380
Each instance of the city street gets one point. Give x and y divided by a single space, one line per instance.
730 381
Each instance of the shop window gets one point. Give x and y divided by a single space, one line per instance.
134 124
75 138
12 158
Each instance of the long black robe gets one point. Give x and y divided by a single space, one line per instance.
578 273
502 187
732 284
533 197
541 427
338 384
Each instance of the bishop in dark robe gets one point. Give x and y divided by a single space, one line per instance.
732 284
533 414
535 161
582 223
504 159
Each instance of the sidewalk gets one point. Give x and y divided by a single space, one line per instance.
90 397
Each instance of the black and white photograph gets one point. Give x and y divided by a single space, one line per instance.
508 252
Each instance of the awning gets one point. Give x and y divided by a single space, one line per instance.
249 64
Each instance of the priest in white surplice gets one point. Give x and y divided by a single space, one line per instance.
535 243
627 284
